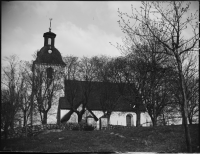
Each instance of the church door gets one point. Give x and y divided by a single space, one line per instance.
128 120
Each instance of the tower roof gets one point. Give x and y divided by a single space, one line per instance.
53 58
48 54
49 34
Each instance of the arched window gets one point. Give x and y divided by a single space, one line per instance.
129 120
49 41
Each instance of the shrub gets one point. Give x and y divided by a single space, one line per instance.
88 128
74 126
82 124
83 127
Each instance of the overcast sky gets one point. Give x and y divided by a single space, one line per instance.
82 28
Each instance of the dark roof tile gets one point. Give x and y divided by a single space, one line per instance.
94 98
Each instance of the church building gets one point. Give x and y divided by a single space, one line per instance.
99 100
123 112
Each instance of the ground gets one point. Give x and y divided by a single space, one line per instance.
138 139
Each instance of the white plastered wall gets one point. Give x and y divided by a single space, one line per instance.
116 118
145 119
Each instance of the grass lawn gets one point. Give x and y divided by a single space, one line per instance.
138 139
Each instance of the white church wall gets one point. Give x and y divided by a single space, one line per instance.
145 119
116 118
119 118
73 118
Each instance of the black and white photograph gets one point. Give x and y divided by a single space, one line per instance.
100 76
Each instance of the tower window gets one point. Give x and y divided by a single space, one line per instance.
49 41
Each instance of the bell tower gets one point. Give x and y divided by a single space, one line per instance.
48 54
49 37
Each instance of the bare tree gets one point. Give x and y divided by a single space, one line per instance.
11 88
117 69
110 83
193 97
72 64
192 86
190 75
46 89
88 76
148 79
169 115
109 97
71 87
169 33
26 90
147 68
80 75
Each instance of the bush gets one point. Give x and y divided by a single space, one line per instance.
88 128
76 127
82 124
83 127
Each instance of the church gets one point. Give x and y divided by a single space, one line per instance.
122 111
99 100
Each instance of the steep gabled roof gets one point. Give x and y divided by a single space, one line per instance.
94 103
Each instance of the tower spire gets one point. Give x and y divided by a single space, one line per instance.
50 24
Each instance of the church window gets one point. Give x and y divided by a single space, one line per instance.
49 41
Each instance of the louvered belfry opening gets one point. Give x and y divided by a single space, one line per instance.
49 72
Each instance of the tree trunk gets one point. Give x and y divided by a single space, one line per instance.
6 130
79 117
80 114
24 119
12 124
187 133
182 120
154 121
58 115
138 117
184 116
164 123
109 118
190 120
44 120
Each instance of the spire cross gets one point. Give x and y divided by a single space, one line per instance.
50 24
